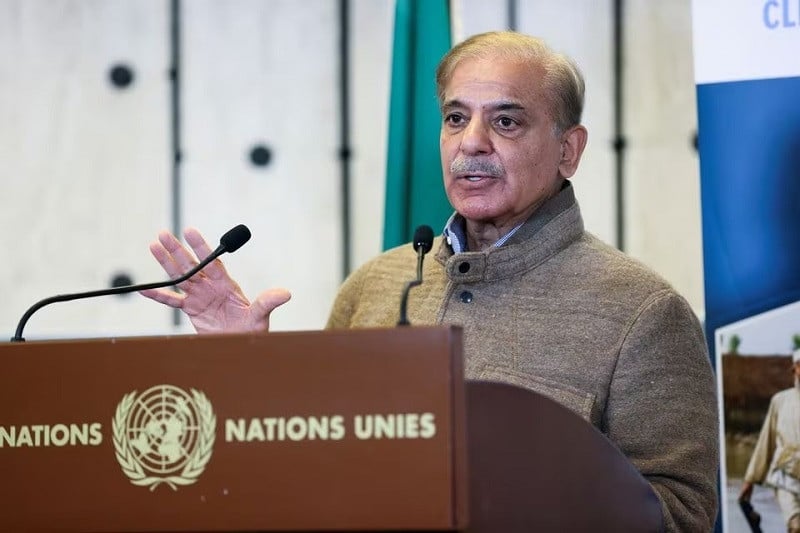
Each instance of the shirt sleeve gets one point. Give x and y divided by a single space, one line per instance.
662 410
758 467
347 298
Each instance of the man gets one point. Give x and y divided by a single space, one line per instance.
776 457
544 305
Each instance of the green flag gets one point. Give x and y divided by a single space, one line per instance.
414 190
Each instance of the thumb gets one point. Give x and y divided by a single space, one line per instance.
267 301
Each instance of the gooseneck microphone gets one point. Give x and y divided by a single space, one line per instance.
231 241
423 242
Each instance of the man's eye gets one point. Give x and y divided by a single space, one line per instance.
454 119
505 122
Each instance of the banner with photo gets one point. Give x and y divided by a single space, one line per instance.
747 70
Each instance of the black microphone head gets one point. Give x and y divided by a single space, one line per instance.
235 238
423 238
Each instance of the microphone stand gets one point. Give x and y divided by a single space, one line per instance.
422 243
229 242
413 283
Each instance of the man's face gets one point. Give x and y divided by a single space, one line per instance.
500 152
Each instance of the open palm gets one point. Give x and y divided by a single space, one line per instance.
211 299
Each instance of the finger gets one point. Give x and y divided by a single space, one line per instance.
180 255
164 296
215 269
197 242
267 301
165 259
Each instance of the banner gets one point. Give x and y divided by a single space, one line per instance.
747 70
414 189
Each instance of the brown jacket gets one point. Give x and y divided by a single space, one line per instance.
559 312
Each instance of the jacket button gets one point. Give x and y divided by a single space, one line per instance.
463 267
466 297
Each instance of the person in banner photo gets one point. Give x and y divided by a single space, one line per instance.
776 458
543 304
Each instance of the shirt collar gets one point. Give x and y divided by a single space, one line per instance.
455 234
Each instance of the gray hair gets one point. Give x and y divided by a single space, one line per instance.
562 82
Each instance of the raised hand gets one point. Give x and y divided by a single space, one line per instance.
211 299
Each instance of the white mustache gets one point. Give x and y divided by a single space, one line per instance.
464 165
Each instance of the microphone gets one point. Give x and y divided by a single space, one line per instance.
423 242
231 241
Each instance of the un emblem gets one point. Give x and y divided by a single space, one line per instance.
164 435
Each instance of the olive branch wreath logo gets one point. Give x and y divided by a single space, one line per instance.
193 467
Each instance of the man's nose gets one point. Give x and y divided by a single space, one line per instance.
476 139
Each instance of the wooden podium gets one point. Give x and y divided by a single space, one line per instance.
358 430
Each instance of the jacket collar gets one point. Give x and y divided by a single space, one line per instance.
551 228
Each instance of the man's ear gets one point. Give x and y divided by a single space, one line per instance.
573 141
